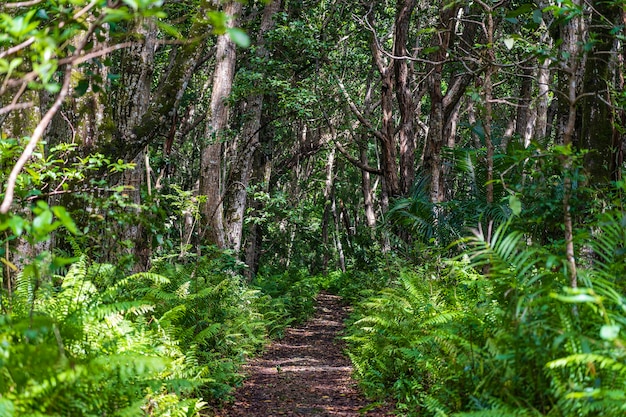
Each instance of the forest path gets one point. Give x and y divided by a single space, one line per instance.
304 374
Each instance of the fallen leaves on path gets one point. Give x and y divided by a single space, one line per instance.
304 374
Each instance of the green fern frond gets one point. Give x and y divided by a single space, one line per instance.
600 362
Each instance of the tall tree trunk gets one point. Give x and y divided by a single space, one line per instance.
211 159
161 114
388 144
437 120
544 76
525 118
366 188
388 152
488 96
329 207
404 96
572 38
132 99
248 142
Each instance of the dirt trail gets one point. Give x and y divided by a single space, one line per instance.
304 374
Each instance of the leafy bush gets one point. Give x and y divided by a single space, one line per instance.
291 296
67 349
94 341
355 285
495 332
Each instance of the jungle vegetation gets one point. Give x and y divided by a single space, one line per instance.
180 177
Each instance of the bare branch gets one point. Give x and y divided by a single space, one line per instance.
23 3
16 48
32 143
18 106
355 161
356 111
79 59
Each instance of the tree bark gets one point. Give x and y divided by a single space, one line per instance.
570 68
388 153
160 115
368 198
406 136
131 101
211 159
524 120
239 178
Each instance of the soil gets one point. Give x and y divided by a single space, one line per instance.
304 374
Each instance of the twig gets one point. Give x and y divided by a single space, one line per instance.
18 106
43 124
23 3
32 143
16 48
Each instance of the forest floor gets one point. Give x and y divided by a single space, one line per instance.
304 374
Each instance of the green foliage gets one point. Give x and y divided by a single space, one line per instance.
67 349
495 332
354 285
89 342
291 296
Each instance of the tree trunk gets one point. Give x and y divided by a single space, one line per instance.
572 37
404 96
329 207
239 178
368 198
544 76
160 116
131 101
211 159
437 120
524 118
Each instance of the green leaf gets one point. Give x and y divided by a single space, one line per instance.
169 29
515 204
523 9
609 331
43 220
132 3
65 219
17 225
576 298
238 36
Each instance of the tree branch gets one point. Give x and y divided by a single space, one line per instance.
32 143
355 161
356 111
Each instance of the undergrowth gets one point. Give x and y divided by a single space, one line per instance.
165 342
499 332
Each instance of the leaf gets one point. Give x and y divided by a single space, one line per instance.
509 43
66 219
132 3
17 224
8 263
515 204
577 298
238 36
169 29
609 331
42 220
